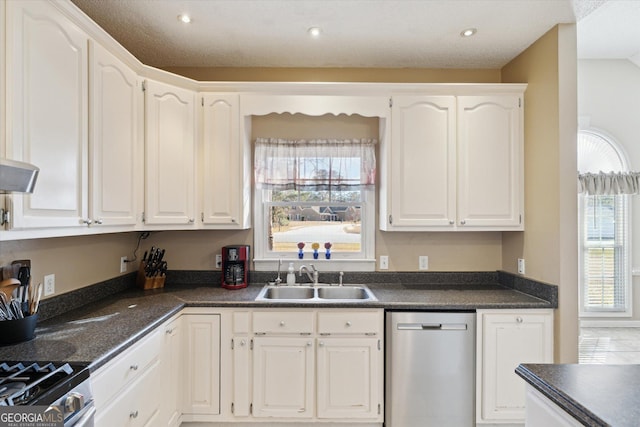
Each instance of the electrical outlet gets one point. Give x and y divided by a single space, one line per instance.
520 266
384 262
423 262
123 264
218 261
49 284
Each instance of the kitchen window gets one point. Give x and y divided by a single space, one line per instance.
604 258
315 196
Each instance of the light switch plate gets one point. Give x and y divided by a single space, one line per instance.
423 262
520 266
384 262
49 284
218 261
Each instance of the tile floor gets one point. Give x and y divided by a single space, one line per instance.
609 345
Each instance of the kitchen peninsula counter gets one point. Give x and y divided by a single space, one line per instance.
595 395
100 330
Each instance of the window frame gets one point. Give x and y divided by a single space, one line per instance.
622 213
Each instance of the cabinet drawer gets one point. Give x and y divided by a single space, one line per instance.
283 322
136 405
349 322
125 368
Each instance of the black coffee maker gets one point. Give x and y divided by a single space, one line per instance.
235 266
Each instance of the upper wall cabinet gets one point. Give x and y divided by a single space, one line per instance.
115 141
170 155
226 195
454 163
47 71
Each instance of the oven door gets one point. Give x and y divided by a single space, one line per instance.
84 417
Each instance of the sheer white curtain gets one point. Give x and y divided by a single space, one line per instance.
315 165
612 183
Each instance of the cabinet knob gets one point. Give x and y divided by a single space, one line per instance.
168 331
348 324
133 367
243 343
463 222
308 343
191 220
321 343
233 220
282 323
97 221
451 222
519 319
133 414
87 221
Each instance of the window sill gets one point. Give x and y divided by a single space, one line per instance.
271 264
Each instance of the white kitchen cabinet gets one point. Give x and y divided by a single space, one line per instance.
283 377
490 162
505 339
423 162
542 412
226 187
115 141
202 362
455 164
350 364
125 389
241 360
172 368
47 78
170 155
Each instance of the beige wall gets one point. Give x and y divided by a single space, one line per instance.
549 243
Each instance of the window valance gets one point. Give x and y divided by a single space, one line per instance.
609 183
315 165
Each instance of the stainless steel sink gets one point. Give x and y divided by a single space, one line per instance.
289 292
343 292
316 294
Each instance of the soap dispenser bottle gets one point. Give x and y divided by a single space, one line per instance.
291 275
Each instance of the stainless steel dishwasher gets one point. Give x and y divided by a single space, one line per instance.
430 369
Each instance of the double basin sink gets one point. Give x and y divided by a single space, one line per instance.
322 292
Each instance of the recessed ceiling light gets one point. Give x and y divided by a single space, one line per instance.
314 32
184 18
468 32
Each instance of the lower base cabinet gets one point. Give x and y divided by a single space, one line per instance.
505 339
542 412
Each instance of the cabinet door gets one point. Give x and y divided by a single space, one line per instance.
509 339
202 359
348 371
423 168
172 368
241 377
490 171
170 154
47 96
223 188
283 377
115 182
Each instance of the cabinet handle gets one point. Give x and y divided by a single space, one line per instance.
133 367
97 221
282 323
519 319
348 324
133 414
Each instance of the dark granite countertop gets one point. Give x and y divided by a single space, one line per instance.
98 331
595 395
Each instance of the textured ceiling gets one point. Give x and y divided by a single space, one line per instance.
356 33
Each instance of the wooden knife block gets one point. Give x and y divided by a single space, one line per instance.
145 282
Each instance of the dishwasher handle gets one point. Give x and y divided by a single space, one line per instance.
432 326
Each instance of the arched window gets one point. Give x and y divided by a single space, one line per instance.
605 272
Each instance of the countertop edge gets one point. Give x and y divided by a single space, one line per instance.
561 399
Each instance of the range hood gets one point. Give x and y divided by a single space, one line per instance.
18 177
